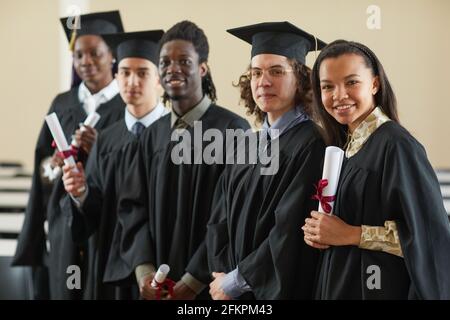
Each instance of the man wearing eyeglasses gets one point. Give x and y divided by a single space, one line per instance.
254 243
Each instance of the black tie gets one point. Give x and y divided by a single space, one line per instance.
137 128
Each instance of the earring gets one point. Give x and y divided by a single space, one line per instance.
113 60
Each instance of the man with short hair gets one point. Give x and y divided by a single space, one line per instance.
94 215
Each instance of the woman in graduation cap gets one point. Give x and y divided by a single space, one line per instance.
389 235
94 215
252 243
93 62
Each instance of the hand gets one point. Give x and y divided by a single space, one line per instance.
147 291
182 292
215 287
74 182
56 160
323 230
85 138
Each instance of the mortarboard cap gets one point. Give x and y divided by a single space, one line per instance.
282 38
142 44
98 23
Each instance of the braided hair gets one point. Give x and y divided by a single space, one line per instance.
189 31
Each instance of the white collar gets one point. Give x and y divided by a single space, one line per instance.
148 119
104 95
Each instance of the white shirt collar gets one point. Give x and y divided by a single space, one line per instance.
103 96
148 119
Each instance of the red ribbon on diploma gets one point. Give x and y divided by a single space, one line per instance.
166 284
73 151
324 200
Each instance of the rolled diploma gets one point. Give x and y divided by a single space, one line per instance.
59 137
331 171
160 275
90 121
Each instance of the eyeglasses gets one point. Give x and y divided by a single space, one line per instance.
255 74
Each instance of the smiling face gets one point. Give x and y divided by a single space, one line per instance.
181 72
273 84
138 82
347 88
92 60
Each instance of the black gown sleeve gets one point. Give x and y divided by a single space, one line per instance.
84 221
412 191
216 239
92 206
31 241
135 242
283 264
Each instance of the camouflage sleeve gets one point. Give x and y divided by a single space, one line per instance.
381 238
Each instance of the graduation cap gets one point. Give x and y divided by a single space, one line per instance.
98 23
142 44
282 38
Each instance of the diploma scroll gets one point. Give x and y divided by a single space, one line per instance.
160 275
327 187
91 120
61 142
59 137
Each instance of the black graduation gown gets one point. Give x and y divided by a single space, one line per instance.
44 200
164 207
96 221
390 178
257 219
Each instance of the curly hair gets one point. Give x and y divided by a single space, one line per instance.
303 95
189 31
